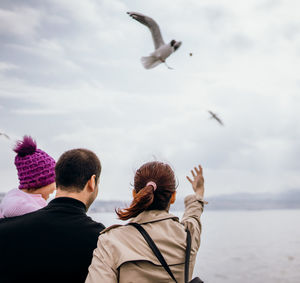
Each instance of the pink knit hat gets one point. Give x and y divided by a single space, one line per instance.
35 167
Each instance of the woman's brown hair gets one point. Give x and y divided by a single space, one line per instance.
146 198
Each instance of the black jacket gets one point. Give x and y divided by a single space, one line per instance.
53 244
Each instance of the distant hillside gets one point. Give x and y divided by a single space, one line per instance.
247 201
283 200
237 201
107 206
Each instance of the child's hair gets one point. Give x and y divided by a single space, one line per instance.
147 196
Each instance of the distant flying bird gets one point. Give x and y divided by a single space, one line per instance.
162 50
5 135
214 116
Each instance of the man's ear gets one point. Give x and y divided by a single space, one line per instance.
92 183
173 198
95 180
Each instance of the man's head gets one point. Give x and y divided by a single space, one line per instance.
77 175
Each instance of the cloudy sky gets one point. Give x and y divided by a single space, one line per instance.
70 76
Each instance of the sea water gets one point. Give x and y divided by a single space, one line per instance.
244 246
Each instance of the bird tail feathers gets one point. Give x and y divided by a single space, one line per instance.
150 62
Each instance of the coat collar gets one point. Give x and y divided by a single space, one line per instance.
149 216
68 202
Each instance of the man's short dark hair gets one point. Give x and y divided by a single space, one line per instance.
75 167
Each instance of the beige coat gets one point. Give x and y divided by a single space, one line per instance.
122 254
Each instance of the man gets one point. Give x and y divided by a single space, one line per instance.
55 243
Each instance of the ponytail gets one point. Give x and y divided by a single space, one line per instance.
141 201
154 183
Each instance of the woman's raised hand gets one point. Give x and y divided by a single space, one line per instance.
198 180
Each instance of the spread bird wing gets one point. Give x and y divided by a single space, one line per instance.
219 120
152 25
5 135
214 116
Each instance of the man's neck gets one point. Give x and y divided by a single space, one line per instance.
79 196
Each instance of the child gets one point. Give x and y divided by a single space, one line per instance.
37 180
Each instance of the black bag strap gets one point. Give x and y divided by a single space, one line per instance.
187 256
154 248
187 260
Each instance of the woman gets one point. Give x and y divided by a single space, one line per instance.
122 254
36 172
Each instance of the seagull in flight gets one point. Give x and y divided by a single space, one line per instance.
5 135
214 116
162 50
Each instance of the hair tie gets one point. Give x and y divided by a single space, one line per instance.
152 184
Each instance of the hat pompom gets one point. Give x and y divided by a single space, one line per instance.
25 147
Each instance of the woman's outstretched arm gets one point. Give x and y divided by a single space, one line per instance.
194 207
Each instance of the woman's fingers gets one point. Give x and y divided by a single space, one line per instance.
194 175
196 170
200 169
189 179
197 180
